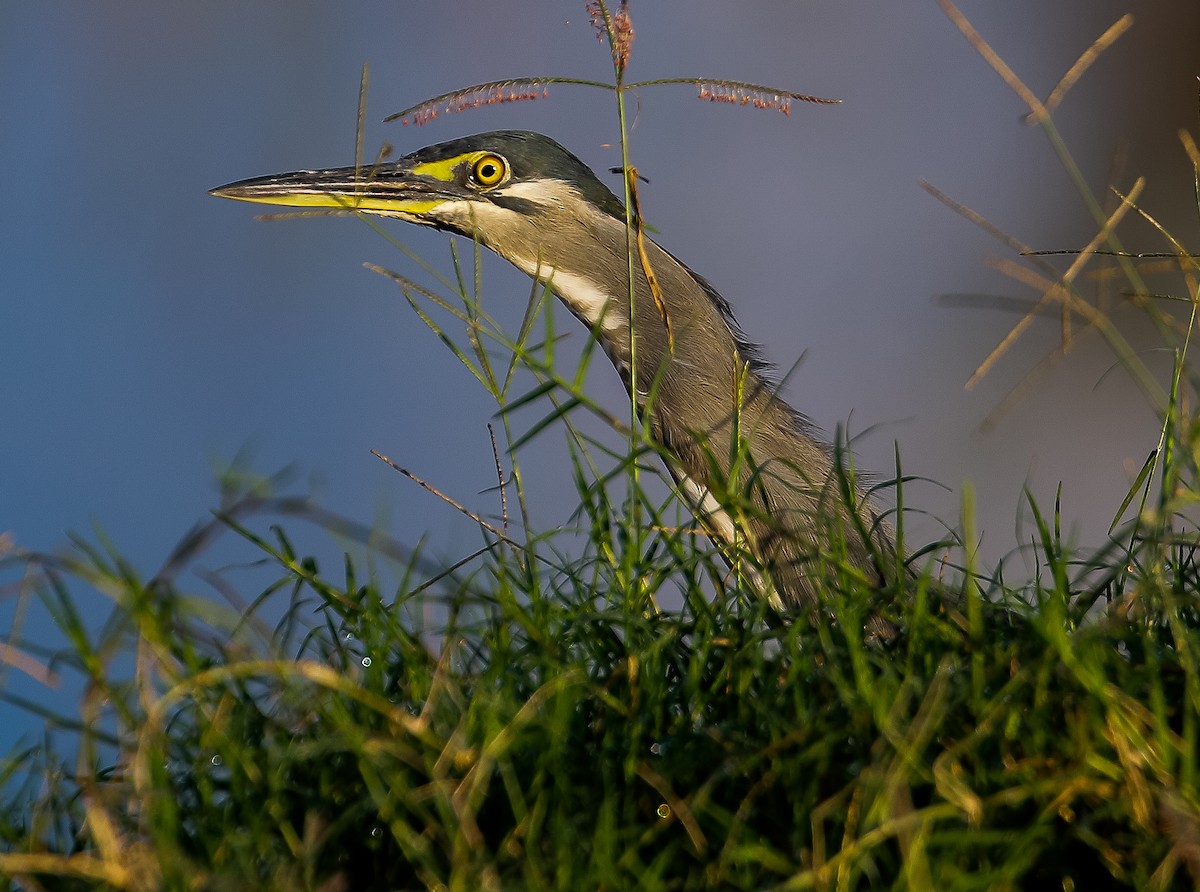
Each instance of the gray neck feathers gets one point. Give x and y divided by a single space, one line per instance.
784 495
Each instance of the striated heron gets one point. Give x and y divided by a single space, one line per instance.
751 467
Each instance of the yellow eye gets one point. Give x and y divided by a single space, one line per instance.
489 170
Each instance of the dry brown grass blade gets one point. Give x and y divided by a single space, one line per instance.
631 177
1051 290
1028 383
78 866
1181 253
1037 110
1059 290
361 123
40 672
978 219
1189 146
429 487
500 481
1083 63
1146 266
676 807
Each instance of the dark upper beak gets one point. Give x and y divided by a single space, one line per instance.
387 189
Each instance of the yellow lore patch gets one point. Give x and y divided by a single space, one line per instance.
446 169
443 170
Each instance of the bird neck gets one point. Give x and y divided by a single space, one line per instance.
751 466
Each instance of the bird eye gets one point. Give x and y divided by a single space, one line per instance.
489 170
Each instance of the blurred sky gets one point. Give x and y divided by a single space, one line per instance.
148 331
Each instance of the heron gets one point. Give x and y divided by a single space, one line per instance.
753 470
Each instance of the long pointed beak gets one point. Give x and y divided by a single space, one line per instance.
390 190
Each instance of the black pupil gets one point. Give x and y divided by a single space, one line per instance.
487 171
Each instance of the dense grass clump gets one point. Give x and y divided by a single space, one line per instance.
539 733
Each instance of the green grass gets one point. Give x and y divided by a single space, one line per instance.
539 732
532 719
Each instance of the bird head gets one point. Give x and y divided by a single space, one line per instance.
518 193
488 186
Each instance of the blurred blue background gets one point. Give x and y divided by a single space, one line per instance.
148 332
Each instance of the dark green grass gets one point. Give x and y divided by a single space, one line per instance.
541 733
